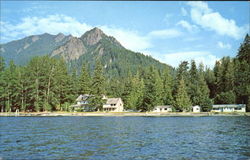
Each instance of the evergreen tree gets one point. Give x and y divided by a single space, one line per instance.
218 74
194 87
10 92
127 95
225 98
167 88
98 91
49 97
115 87
182 72
153 94
34 86
204 101
21 88
74 84
244 50
140 91
2 84
210 80
62 90
2 64
133 92
182 100
224 72
242 72
84 81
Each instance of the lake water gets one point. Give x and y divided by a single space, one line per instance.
125 138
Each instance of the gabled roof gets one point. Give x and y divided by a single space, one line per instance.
83 97
113 100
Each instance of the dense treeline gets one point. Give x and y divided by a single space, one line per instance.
44 84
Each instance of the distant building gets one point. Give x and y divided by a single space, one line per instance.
113 105
82 103
166 108
229 108
196 109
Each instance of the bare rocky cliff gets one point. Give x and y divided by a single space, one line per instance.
71 50
92 37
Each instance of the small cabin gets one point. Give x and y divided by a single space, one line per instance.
113 105
229 108
81 102
196 109
166 108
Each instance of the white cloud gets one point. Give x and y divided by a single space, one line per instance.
223 45
201 6
184 12
206 58
166 33
191 39
204 16
53 24
188 26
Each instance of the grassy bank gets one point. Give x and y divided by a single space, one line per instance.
169 114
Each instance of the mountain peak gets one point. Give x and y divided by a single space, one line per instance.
60 34
59 37
93 36
96 30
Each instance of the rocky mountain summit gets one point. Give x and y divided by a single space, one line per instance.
93 36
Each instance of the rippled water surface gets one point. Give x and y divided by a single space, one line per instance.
125 137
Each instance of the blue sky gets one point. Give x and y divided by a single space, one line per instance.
168 31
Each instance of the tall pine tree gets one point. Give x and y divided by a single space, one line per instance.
98 90
84 81
242 72
182 100
167 87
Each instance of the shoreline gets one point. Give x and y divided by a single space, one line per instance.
120 114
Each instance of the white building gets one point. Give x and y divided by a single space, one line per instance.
113 105
166 108
229 108
82 103
196 109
